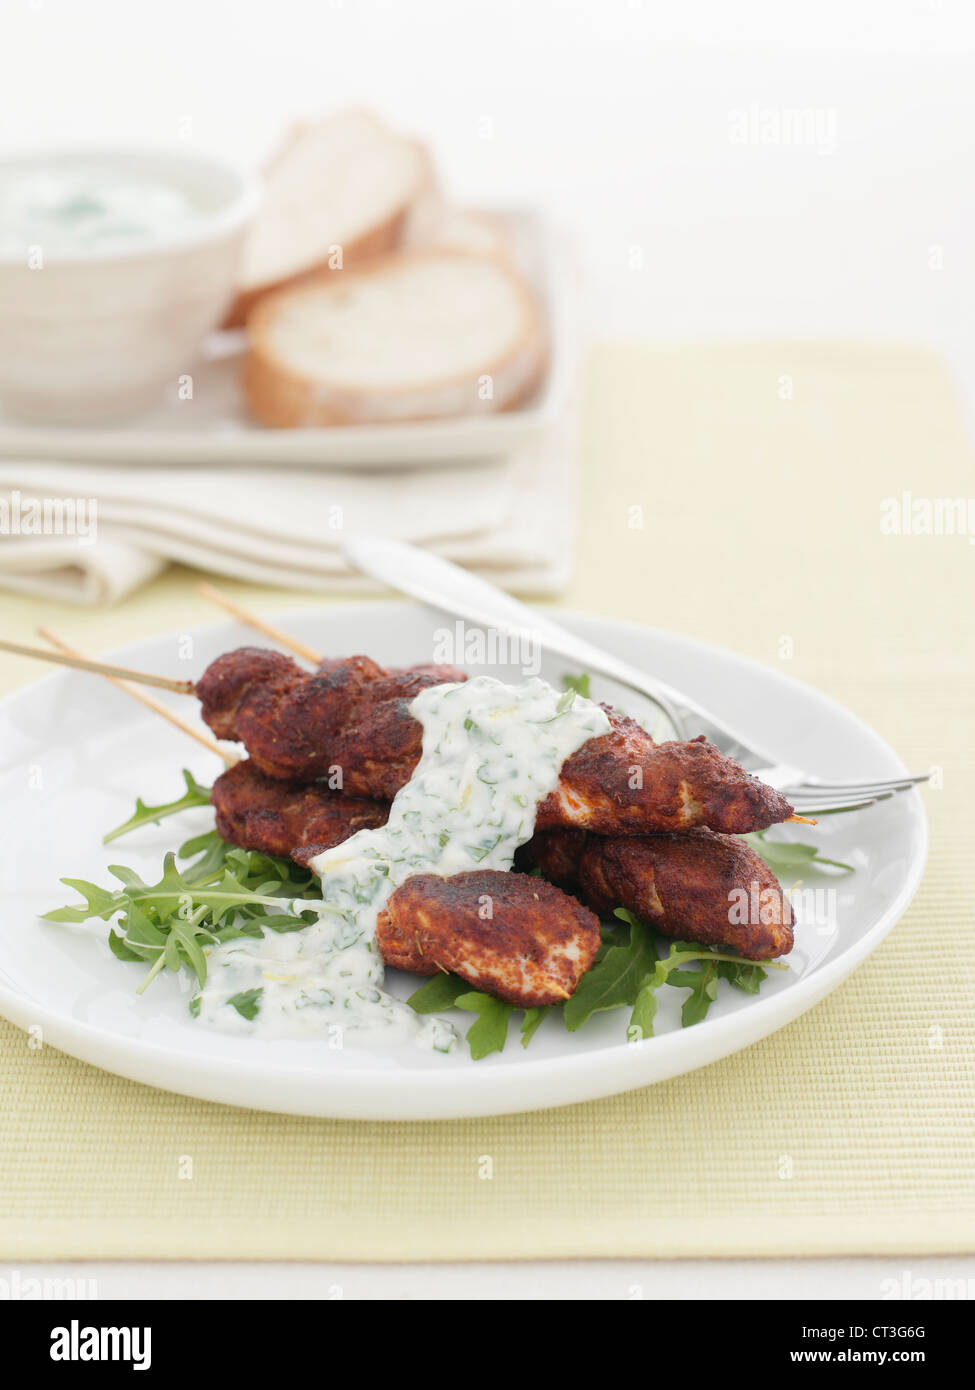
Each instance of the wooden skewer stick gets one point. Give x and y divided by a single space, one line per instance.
100 668
150 702
284 639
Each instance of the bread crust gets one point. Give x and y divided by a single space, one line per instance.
384 237
378 242
281 397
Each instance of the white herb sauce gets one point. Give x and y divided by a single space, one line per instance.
75 208
491 753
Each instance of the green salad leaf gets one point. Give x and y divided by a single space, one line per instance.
440 992
644 1010
222 893
195 795
531 1023
615 979
786 857
490 1032
745 975
578 684
703 984
248 1002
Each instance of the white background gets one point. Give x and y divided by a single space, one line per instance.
617 115
621 118
890 1280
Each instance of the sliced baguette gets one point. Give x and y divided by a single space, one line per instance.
338 193
439 224
416 336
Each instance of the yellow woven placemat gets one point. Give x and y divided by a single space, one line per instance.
760 473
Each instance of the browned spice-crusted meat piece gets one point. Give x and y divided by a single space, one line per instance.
695 886
243 687
510 935
355 716
264 694
444 675
299 725
624 783
680 882
262 813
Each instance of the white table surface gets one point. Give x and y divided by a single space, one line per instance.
558 1279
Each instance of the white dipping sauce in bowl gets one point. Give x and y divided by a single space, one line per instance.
64 211
114 265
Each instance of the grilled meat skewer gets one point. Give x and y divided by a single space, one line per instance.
681 883
519 938
287 818
515 937
694 885
299 726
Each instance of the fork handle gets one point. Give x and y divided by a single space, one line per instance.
444 585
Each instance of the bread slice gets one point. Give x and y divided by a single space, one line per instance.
339 192
415 336
441 224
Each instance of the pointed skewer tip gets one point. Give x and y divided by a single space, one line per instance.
99 668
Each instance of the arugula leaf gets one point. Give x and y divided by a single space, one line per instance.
209 851
616 978
195 795
644 1008
580 684
703 984
703 981
440 992
182 936
746 975
531 1022
99 902
490 1032
120 949
223 894
248 1002
788 856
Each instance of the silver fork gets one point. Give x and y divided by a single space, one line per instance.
446 586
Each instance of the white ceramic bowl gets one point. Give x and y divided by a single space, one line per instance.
100 330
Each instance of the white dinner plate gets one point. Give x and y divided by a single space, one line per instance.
76 752
214 428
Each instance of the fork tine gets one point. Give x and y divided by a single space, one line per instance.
890 784
806 801
807 805
833 807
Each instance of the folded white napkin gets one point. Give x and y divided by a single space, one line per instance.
511 519
58 568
